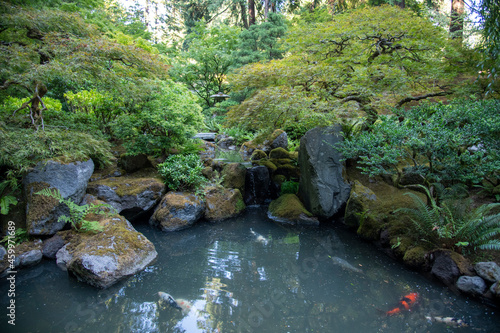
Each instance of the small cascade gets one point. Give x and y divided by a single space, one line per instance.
259 189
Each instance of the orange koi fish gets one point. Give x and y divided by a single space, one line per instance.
405 303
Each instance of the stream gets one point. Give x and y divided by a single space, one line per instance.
246 274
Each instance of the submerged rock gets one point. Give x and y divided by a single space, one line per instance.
104 258
131 195
177 211
289 209
42 212
322 188
223 203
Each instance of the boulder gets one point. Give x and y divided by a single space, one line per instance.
489 271
495 289
132 195
234 176
444 268
472 285
26 254
177 211
359 203
42 213
51 246
223 203
133 163
104 258
322 187
277 139
290 210
258 187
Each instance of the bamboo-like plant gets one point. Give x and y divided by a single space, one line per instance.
78 213
454 224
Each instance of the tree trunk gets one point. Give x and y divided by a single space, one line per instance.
401 3
266 9
251 12
244 14
457 19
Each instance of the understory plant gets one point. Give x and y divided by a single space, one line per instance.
182 172
78 213
453 223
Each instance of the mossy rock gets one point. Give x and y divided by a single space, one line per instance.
223 203
268 164
289 171
416 257
233 175
258 155
177 211
133 163
278 153
289 209
369 227
208 172
401 244
361 202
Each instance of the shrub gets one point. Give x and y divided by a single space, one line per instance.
182 172
289 186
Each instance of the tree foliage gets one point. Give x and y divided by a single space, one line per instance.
365 60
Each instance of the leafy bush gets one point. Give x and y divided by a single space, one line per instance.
454 223
289 186
78 213
182 172
444 143
168 119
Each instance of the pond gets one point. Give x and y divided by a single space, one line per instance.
246 274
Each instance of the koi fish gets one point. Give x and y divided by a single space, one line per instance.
405 303
259 238
449 321
164 297
345 265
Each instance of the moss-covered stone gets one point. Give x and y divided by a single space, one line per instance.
41 216
223 203
234 176
416 257
359 205
278 153
268 164
401 244
289 209
369 226
258 155
288 170
178 210
133 163
208 172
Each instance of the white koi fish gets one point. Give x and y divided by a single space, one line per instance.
449 321
259 238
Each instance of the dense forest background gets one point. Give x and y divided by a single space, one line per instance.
79 76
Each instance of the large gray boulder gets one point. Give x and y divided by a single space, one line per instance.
177 211
131 195
109 256
42 213
473 285
322 187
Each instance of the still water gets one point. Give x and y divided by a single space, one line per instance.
292 279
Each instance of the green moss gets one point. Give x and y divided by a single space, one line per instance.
401 244
132 184
40 206
288 206
279 153
258 155
415 257
268 164
369 226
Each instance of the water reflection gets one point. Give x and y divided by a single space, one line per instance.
236 283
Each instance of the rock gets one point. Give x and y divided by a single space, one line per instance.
51 246
322 187
279 140
223 203
131 195
495 289
178 211
473 285
30 258
234 176
444 268
410 177
258 155
416 258
489 271
26 254
258 187
133 163
42 213
3 252
289 209
227 143
205 136
359 203
279 153
109 256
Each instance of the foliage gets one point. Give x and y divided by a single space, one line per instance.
23 148
444 143
20 236
289 186
170 118
358 64
182 172
204 66
78 213
7 200
261 41
240 134
454 223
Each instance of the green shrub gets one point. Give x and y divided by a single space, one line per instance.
182 172
454 223
289 186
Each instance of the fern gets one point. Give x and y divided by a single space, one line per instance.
78 213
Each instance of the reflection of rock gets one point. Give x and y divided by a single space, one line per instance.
288 209
131 195
178 211
322 188
70 179
104 258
